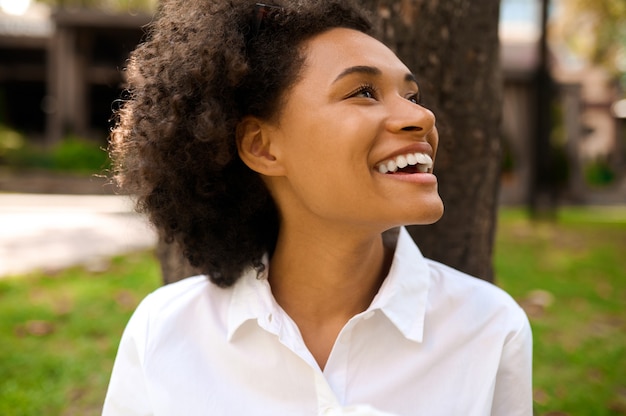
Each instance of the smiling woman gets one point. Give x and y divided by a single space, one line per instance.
284 148
349 114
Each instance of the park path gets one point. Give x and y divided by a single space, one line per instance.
52 232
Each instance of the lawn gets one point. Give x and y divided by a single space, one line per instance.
59 332
570 276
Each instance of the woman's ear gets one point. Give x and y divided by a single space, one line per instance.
254 144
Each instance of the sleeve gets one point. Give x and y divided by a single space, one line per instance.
127 394
513 395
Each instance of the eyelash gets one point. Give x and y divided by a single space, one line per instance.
415 98
365 88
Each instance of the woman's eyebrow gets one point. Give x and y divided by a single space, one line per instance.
359 69
369 70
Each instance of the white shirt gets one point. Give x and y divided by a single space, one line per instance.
433 342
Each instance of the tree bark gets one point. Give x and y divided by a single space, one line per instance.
452 47
174 265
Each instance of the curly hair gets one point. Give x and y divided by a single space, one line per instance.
204 65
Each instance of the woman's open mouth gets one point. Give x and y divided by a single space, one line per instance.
406 164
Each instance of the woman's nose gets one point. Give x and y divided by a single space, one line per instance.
408 116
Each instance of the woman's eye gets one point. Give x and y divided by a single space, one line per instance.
365 91
415 98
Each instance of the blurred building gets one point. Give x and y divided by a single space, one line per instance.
24 39
61 71
519 57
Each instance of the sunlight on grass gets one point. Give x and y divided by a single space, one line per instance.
60 334
570 276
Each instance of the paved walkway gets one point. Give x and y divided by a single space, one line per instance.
51 232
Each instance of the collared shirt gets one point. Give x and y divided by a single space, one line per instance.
433 342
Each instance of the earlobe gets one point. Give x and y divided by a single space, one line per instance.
254 145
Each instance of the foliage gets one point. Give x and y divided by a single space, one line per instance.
595 30
60 332
599 172
569 275
72 154
10 141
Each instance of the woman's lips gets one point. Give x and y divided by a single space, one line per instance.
413 162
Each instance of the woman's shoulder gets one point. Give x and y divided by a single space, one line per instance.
181 297
475 296
197 281
190 286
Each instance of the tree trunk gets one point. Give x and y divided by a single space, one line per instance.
174 266
452 47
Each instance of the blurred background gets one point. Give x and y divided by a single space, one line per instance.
578 61
61 71
62 309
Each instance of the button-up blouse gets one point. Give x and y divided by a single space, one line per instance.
434 341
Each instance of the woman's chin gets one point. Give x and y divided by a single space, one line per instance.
428 212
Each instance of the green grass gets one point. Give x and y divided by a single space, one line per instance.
570 275
59 333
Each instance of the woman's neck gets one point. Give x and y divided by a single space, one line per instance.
322 279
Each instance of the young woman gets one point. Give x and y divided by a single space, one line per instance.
284 148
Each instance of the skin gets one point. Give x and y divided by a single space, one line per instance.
353 107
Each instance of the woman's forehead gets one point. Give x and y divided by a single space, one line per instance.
335 50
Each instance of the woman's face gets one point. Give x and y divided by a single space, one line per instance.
345 127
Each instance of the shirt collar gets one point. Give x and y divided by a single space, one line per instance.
251 299
402 297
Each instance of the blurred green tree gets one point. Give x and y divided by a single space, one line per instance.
594 30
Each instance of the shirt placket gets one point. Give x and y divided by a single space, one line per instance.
331 385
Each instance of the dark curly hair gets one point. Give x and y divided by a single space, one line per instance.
205 64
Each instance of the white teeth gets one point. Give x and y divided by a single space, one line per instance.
422 160
401 161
